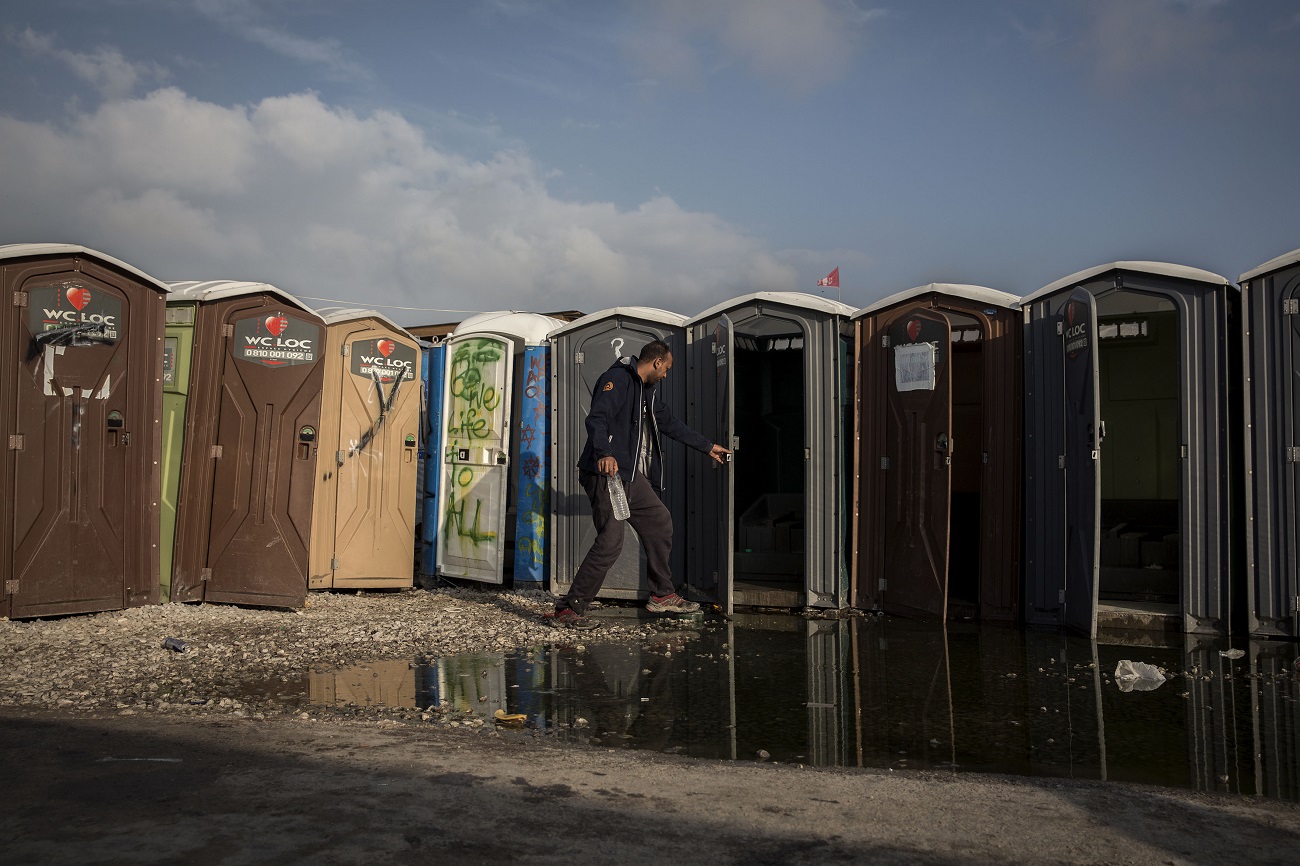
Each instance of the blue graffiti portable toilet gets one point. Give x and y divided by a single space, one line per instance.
581 351
769 372
1129 453
431 474
492 494
1271 298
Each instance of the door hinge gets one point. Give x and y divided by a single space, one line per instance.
1060 596
1060 328
205 574
884 341
1290 306
227 330
807 454
338 457
986 458
579 357
334 564
713 348
344 350
882 584
15 442
1292 452
884 462
1295 599
20 299
11 587
1060 461
216 451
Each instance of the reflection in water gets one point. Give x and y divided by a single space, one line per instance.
883 692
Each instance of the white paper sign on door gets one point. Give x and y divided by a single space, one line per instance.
914 367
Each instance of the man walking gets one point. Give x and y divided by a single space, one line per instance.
623 428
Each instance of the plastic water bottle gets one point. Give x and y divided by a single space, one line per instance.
618 498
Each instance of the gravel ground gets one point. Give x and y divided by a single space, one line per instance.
115 661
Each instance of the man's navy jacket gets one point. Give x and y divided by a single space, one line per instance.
614 424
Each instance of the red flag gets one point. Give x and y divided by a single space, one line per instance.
831 279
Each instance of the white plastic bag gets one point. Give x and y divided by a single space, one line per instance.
1138 676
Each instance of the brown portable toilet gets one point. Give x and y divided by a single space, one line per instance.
81 402
939 426
363 522
248 462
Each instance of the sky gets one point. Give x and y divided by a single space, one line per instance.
543 155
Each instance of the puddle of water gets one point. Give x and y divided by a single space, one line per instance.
883 692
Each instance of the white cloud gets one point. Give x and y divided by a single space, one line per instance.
326 202
798 45
104 68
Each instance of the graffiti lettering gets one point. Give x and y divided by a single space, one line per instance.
454 516
536 377
474 396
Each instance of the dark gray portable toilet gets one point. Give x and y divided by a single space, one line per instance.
81 408
1270 295
1129 449
769 379
939 422
581 351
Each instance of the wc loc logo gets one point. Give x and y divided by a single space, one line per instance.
276 340
1076 333
72 307
384 359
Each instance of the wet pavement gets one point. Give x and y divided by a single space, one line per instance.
879 692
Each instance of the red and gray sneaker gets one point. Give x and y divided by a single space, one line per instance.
568 618
671 603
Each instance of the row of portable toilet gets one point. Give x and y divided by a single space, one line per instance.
215 441
883 458
1077 457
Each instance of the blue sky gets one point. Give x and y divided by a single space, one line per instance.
543 155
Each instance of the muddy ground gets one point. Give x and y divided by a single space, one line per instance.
113 750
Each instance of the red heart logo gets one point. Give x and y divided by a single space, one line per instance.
276 325
385 347
1069 313
78 297
914 329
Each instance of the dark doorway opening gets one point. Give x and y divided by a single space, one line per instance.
770 469
1141 551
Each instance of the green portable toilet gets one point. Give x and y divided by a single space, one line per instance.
178 348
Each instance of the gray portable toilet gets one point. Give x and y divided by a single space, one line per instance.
495 388
1129 452
1270 295
769 379
580 352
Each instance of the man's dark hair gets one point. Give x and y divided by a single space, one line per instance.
654 350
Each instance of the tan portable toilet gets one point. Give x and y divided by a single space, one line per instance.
363 522
80 403
243 483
